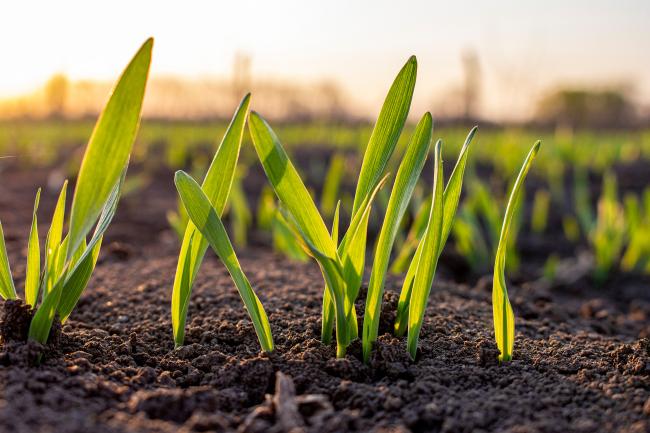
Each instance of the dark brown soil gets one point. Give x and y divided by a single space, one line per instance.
581 362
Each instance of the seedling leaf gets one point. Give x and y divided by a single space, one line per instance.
7 288
504 317
386 132
405 181
216 186
428 259
32 277
450 198
205 218
109 147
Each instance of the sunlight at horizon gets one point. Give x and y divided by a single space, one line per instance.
522 49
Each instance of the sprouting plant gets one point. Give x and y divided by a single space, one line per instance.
607 234
70 260
341 263
476 230
416 287
204 217
216 186
407 175
503 316
637 218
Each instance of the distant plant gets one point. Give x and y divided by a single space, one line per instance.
70 260
608 232
637 218
504 318
477 228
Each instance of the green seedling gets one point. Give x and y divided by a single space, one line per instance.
637 218
503 316
341 263
416 288
216 186
407 176
70 260
607 234
477 229
204 217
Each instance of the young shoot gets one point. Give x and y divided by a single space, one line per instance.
204 218
216 186
503 316
450 199
341 264
70 260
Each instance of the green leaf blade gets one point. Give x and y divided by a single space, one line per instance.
502 313
204 217
451 197
288 186
109 147
386 132
33 273
216 186
405 181
7 288
428 259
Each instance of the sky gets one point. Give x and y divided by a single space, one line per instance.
523 47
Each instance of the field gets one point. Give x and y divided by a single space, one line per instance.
577 271
351 285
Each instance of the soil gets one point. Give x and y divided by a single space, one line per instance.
581 361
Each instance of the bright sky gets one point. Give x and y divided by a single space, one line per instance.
523 46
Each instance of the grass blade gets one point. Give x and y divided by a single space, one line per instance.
109 147
61 293
428 259
304 215
77 281
208 223
405 181
33 273
288 186
53 240
352 252
327 318
450 199
7 288
503 316
216 186
386 132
